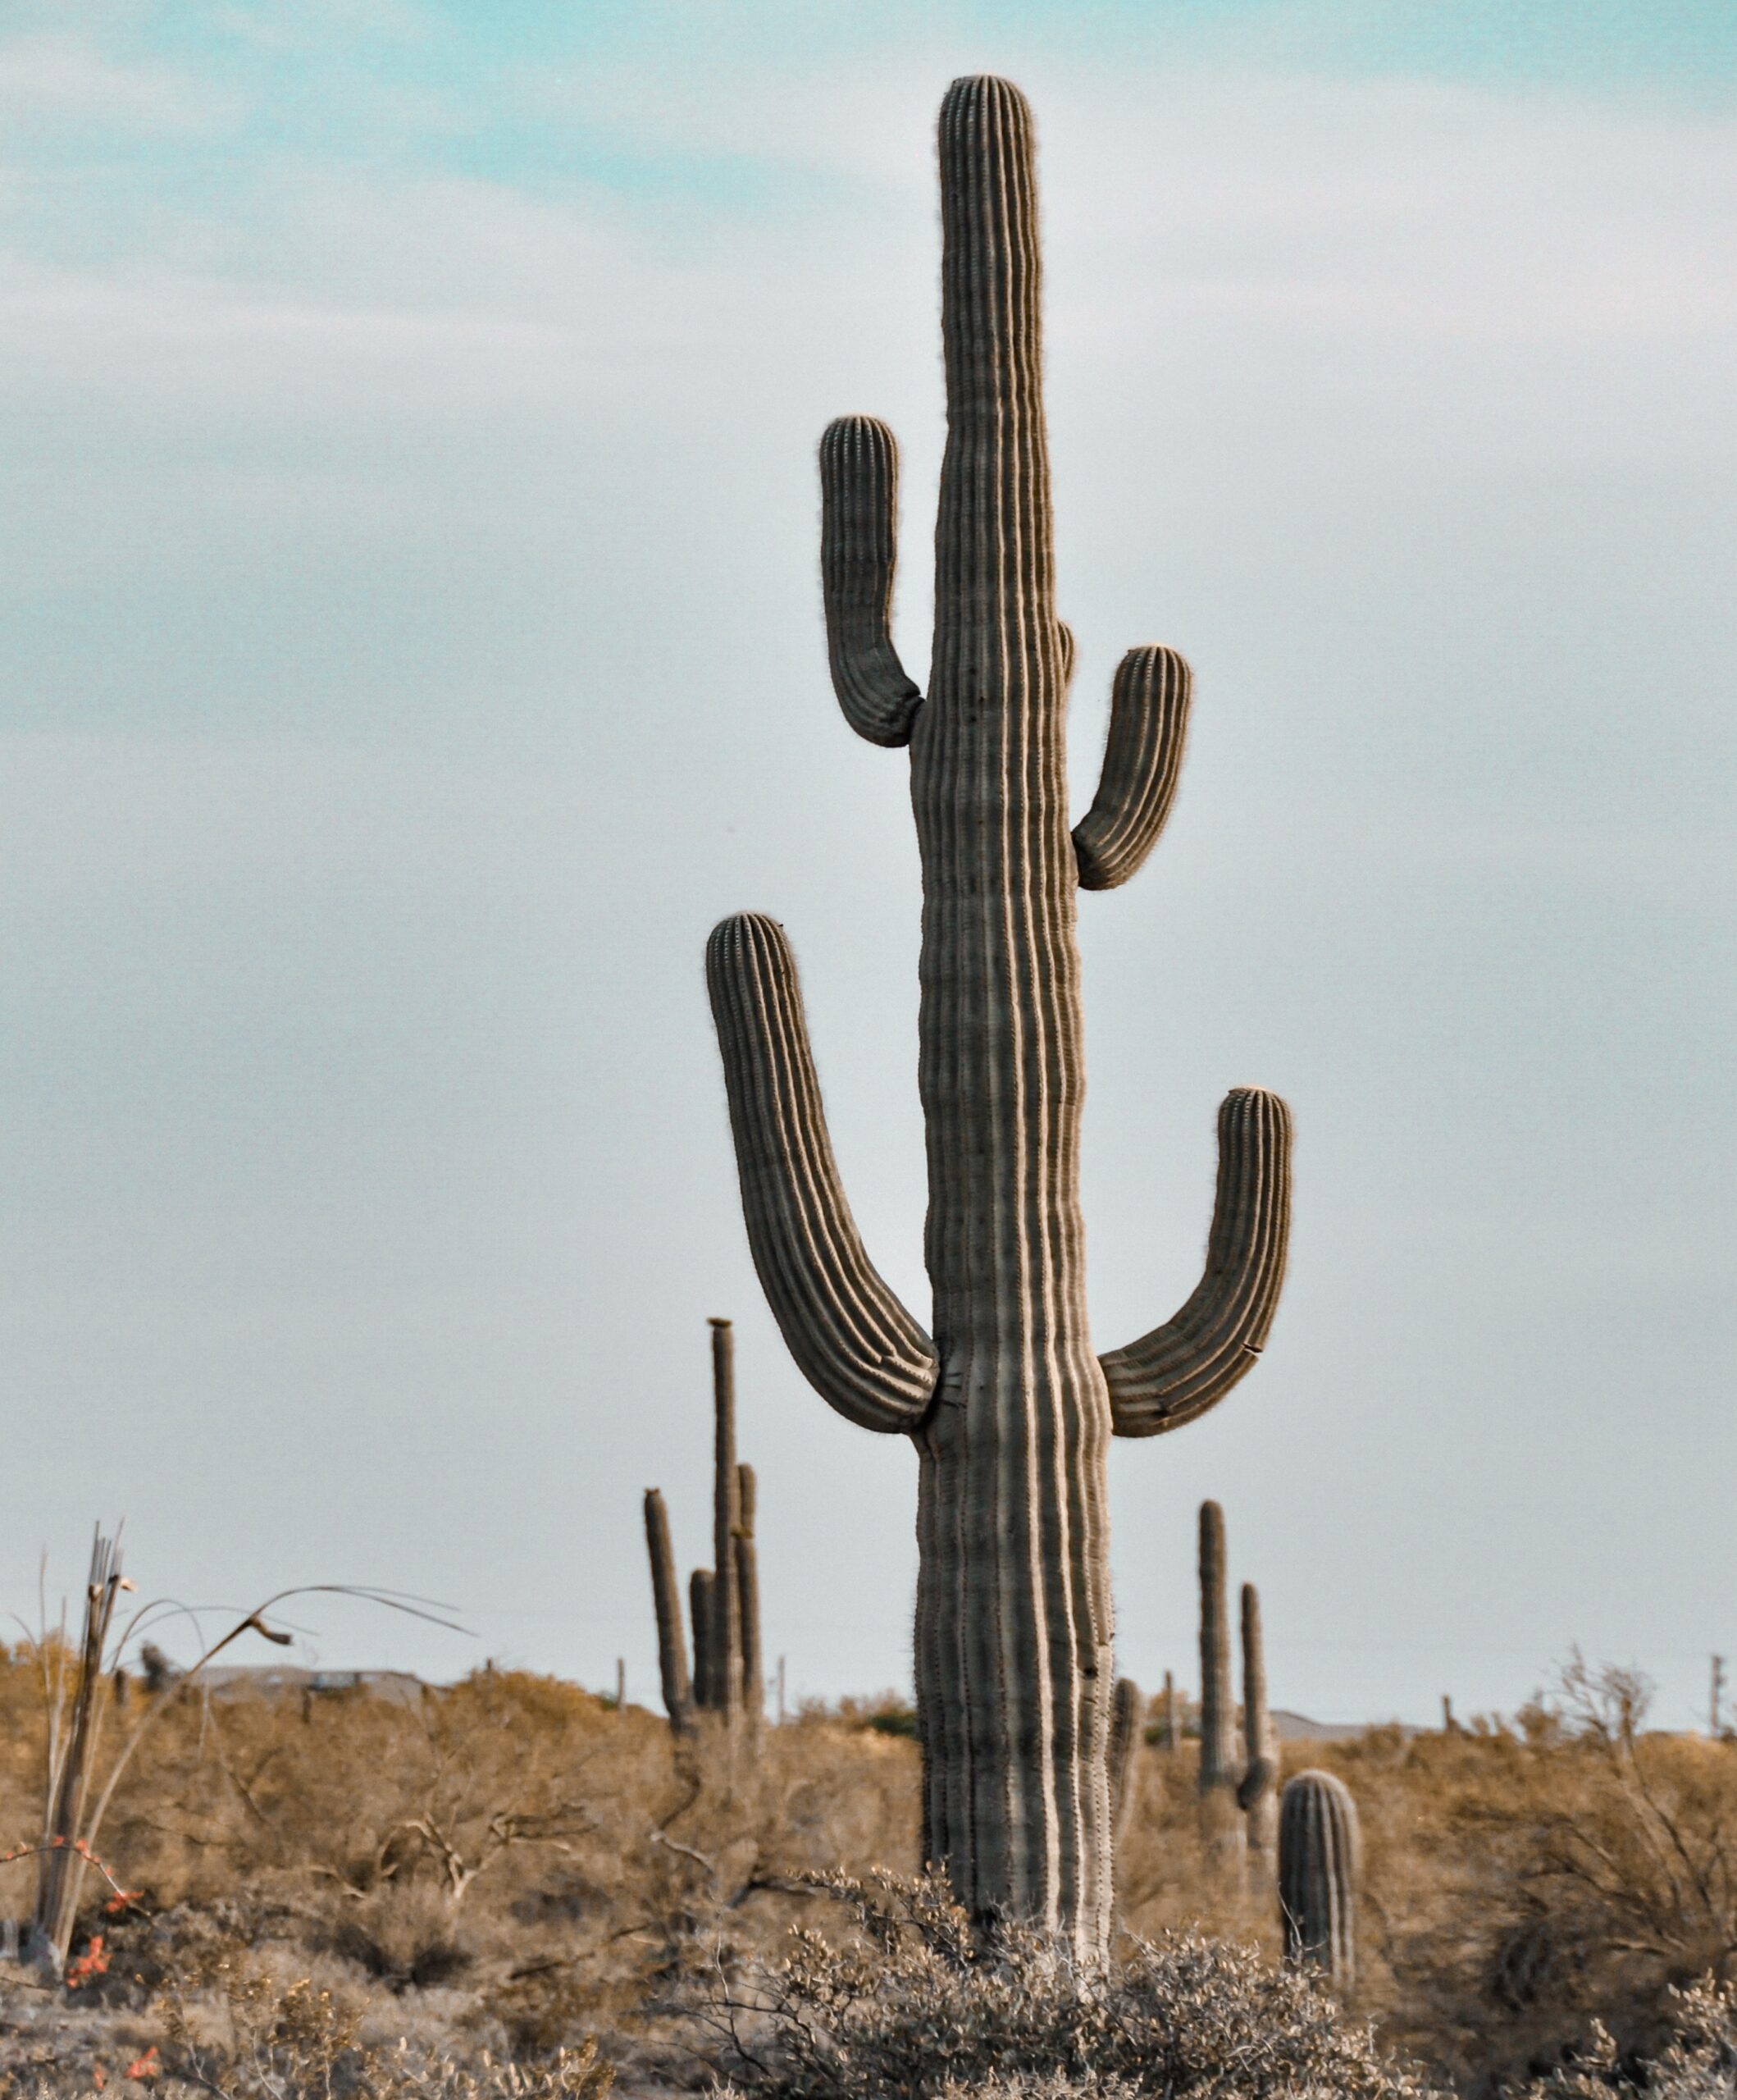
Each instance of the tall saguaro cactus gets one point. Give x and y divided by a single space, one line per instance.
724 1599
1009 1409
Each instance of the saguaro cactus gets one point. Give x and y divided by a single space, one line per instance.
1221 1825
1126 1722
1171 1722
1011 1410
1318 1857
1257 1796
724 1599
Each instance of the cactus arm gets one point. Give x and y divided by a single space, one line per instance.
1257 1784
678 1694
851 1338
1180 1370
859 540
748 1588
1257 1795
1143 762
725 1674
700 1586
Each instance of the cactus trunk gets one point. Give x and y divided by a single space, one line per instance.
1172 1724
1221 1822
1011 1410
1319 1844
1014 1665
1258 1794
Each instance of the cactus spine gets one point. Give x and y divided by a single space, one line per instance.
724 1601
1318 1858
1258 1793
1221 1825
1009 1409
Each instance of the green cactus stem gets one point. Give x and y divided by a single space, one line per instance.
1221 1824
1170 1721
1010 1409
1127 1715
1257 1794
672 1672
1318 1848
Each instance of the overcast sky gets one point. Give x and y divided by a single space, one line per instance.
413 645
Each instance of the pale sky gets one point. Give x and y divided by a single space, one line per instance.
413 645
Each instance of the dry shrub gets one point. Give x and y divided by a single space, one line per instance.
509 1864
909 2004
1698 2061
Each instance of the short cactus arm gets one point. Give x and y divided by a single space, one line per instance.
859 535
1143 762
851 1338
1183 1368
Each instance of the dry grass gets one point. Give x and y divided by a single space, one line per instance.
510 1865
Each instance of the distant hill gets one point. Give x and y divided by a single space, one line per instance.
1298 1728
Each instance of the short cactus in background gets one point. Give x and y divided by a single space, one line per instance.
1170 1719
1126 1722
1257 1795
1319 1848
1009 1407
1220 1768
724 1599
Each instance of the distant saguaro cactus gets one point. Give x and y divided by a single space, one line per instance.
1011 1410
1221 1824
1126 1720
1257 1795
725 1599
1172 1722
1319 1847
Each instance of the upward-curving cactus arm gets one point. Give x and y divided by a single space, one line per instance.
678 1690
1180 1370
851 1338
859 542
1143 763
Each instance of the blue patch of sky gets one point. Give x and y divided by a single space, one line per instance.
478 88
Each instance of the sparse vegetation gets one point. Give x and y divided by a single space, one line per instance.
508 1866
